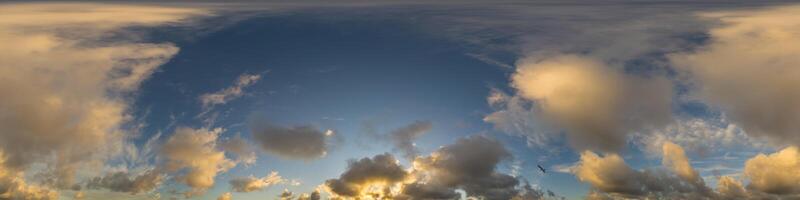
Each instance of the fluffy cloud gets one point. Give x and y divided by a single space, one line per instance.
311 196
675 159
63 87
122 182
225 196
297 142
595 104
13 186
468 165
196 152
777 173
749 70
286 195
773 176
250 184
223 96
368 175
403 138
729 188
611 177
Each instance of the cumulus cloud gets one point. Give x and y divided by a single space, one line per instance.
65 108
611 177
125 182
225 196
14 186
296 142
311 196
595 104
286 195
777 173
196 152
368 175
748 69
729 188
403 138
676 160
770 176
230 93
251 183
468 165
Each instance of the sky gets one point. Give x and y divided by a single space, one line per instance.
523 100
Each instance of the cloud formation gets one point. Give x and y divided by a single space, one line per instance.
469 164
368 176
403 138
777 173
225 196
250 184
611 177
196 152
241 148
124 182
65 109
14 186
748 69
595 104
223 96
700 135
298 142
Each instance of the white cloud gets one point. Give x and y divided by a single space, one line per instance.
196 151
225 196
63 87
611 177
596 105
749 70
777 173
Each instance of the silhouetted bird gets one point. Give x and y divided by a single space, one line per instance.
541 168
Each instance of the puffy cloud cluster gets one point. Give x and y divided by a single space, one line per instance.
595 104
64 87
773 176
297 142
611 177
13 185
196 152
749 70
468 165
368 177
250 184
225 196
777 173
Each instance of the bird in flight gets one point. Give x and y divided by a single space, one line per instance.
541 168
